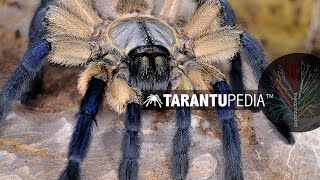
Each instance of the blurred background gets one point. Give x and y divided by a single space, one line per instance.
283 27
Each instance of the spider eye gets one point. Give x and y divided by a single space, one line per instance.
150 51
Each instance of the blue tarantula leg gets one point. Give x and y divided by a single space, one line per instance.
36 32
231 139
128 169
236 75
256 60
37 28
81 136
34 87
282 127
181 144
254 54
31 63
229 17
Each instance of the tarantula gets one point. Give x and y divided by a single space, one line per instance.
130 47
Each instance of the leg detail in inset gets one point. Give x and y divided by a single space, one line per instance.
81 136
231 139
128 169
181 144
31 63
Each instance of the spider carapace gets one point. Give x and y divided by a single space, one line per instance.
131 47
147 43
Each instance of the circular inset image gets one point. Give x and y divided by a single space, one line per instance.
291 89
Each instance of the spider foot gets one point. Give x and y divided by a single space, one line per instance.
81 137
72 172
284 130
128 170
180 166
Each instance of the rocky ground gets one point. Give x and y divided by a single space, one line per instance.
34 139
33 145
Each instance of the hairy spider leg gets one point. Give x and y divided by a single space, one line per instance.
31 63
36 32
280 123
236 76
81 136
181 144
128 169
33 88
255 56
231 139
37 28
227 13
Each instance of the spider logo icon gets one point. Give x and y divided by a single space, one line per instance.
155 99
